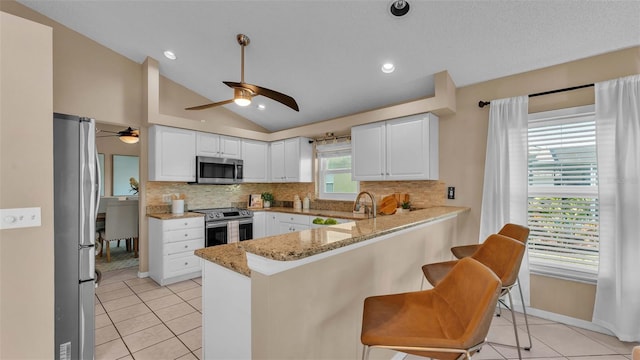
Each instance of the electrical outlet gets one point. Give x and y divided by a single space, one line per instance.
20 218
451 192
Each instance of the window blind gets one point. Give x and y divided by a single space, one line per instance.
563 211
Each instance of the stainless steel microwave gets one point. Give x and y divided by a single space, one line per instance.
213 170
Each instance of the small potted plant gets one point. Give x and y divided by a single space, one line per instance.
267 198
405 207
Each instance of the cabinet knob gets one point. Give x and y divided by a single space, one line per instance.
381 173
185 235
186 263
185 224
387 173
186 246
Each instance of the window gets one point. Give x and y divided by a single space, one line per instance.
563 211
334 172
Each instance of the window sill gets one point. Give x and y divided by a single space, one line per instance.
564 273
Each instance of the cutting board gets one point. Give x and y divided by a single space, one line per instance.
388 205
401 197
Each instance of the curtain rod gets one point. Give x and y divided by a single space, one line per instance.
485 103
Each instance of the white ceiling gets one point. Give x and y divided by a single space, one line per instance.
328 54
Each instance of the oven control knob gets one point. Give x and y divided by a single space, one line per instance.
218 215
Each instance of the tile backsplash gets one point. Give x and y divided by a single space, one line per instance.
422 194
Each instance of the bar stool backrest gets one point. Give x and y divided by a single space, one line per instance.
503 255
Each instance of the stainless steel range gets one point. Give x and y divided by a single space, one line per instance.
216 224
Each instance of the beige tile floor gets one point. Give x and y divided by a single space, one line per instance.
139 319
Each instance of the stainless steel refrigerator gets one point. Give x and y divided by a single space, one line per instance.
76 196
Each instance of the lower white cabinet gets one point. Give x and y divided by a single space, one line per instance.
292 222
171 246
259 224
272 224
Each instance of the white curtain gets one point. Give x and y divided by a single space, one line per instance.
504 194
617 306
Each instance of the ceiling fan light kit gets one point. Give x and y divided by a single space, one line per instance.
241 97
243 92
128 136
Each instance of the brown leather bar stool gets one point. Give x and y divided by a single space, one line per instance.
447 322
514 231
502 254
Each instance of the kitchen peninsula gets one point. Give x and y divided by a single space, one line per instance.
299 295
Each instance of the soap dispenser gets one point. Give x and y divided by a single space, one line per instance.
307 200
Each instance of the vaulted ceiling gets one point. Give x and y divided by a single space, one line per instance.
328 54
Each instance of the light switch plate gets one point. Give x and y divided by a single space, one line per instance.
20 218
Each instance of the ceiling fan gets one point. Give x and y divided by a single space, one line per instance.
243 92
129 135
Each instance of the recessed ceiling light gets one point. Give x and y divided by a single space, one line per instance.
261 107
170 55
388 68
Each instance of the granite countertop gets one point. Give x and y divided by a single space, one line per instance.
170 216
313 212
301 244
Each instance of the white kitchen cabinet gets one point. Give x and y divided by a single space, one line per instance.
292 222
172 154
272 223
399 149
259 224
291 160
368 153
215 145
255 157
171 246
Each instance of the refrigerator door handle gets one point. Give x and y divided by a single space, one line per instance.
98 184
88 199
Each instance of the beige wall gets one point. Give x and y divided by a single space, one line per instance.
26 180
463 143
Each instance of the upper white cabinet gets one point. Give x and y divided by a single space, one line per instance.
172 154
218 145
400 149
255 157
291 160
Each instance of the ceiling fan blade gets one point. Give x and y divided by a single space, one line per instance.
207 106
272 94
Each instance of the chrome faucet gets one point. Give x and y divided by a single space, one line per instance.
356 204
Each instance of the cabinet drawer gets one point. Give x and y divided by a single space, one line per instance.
187 247
293 218
181 235
186 223
177 264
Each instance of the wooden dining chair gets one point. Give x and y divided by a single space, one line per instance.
447 322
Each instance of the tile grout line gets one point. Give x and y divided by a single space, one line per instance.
161 321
